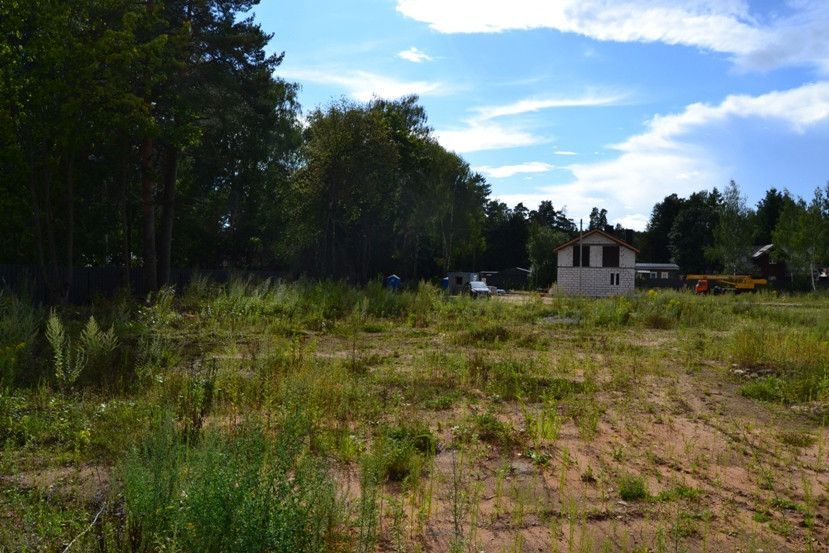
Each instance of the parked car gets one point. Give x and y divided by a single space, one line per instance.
478 289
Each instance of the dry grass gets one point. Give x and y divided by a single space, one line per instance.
485 426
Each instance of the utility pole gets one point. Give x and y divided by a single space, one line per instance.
581 252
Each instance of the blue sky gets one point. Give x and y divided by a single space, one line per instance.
608 103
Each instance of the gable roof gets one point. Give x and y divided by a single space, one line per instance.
764 250
657 266
602 233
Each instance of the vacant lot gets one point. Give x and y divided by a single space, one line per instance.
320 417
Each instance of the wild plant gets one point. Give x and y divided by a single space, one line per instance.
474 513
398 515
521 495
421 505
458 498
355 324
98 344
500 476
249 490
632 488
19 325
368 510
69 360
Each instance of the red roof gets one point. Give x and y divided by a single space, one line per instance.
591 233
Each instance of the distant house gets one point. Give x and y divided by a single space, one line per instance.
658 275
596 264
458 280
514 278
768 267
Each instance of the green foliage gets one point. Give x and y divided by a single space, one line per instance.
92 347
488 428
541 248
39 525
403 451
254 491
69 361
797 359
732 234
801 236
797 439
632 488
692 231
679 492
19 325
41 418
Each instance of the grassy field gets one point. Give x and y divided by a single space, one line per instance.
309 417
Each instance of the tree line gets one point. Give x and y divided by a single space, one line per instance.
157 133
716 232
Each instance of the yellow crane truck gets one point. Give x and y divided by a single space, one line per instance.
719 284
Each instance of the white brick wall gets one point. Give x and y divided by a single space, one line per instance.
595 280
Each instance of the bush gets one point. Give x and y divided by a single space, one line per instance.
632 488
404 449
19 326
764 389
489 429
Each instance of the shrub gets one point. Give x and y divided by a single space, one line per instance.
632 488
488 428
403 450
764 389
19 326
797 439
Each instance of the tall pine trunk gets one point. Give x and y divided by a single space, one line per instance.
53 278
70 227
126 253
148 214
168 201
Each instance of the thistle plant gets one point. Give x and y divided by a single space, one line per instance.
69 360
97 342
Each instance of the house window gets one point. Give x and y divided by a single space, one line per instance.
614 279
652 274
585 254
665 274
610 256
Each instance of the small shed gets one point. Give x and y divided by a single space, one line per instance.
658 275
770 268
459 279
392 282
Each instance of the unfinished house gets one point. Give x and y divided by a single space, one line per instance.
596 264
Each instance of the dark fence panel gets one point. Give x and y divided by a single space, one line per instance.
89 282
660 283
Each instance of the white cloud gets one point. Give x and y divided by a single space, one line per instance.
532 105
414 55
725 26
479 136
678 153
481 133
565 153
505 171
364 85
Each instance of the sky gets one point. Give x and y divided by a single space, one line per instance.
607 103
